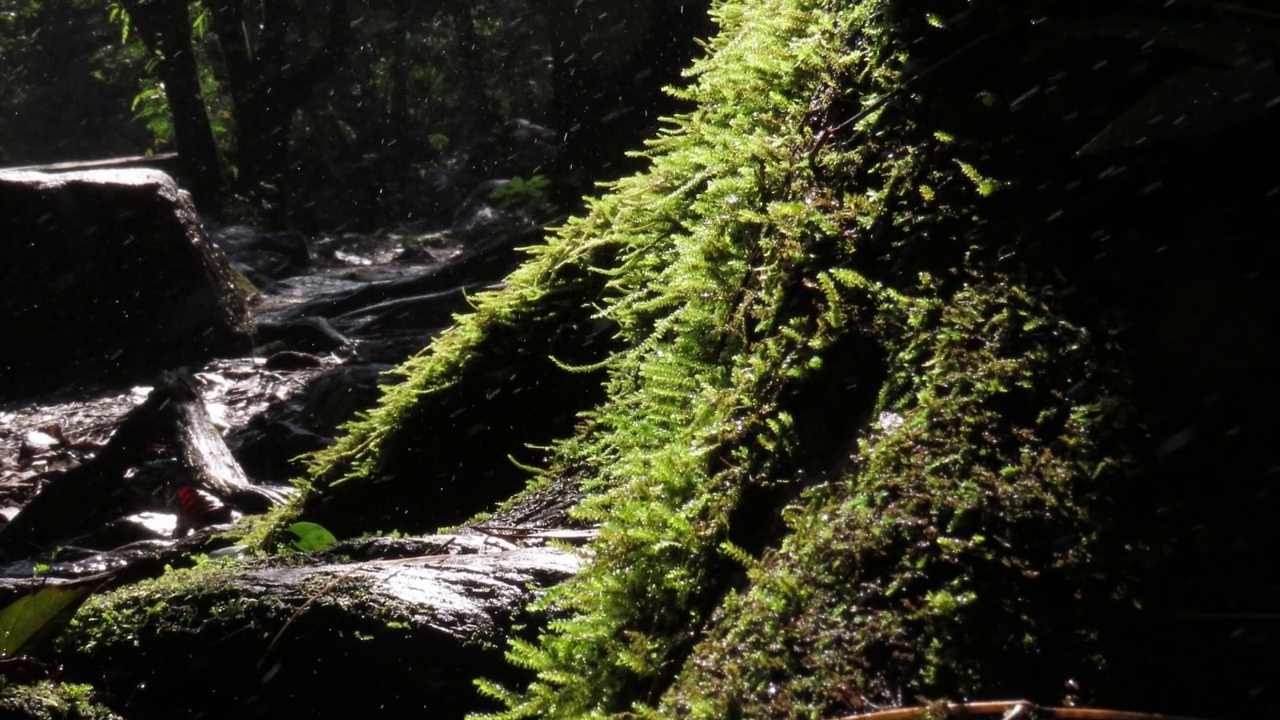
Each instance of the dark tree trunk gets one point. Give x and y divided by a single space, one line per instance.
611 59
165 28
476 110
267 87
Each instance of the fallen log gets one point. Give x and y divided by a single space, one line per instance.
380 638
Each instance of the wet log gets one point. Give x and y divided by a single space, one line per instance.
398 637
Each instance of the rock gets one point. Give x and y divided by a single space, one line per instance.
269 450
264 256
107 274
381 638
486 259
480 212
305 334
292 360
336 396
125 477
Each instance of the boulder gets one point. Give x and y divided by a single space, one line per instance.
107 274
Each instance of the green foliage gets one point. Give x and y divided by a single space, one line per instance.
150 106
943 523
744 263
49 700
520 192
310 537
39 614
67 85
712 246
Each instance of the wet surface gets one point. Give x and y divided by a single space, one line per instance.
42 437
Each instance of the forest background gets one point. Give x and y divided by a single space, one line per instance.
343 115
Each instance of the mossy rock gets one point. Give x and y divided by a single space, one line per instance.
322 636
929 372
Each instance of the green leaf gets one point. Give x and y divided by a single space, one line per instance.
311 537
38 614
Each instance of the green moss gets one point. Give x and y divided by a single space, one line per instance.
865 429
776 254
923 568
52 701
168 603
436 450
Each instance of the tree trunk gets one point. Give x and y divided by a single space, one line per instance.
611 59
267 87
165 28
476 111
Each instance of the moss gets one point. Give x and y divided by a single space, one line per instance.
438 448
925 565
50 700
867 425
840 212
167 603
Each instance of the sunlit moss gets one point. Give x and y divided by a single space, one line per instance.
860 440
742 296
50 700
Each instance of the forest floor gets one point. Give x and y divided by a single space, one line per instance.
44 436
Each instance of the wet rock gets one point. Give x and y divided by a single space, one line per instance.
485 260
481 212
269 450
107 274
380 638
336 396
305 334
264 256
164 444
292 360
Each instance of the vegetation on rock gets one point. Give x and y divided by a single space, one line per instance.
874 425
48 700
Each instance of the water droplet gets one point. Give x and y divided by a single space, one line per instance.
889 420
1024 97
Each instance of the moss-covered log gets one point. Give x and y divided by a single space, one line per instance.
941 366
398 633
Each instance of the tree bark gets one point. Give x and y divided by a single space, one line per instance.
267 87
165 28
611 59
